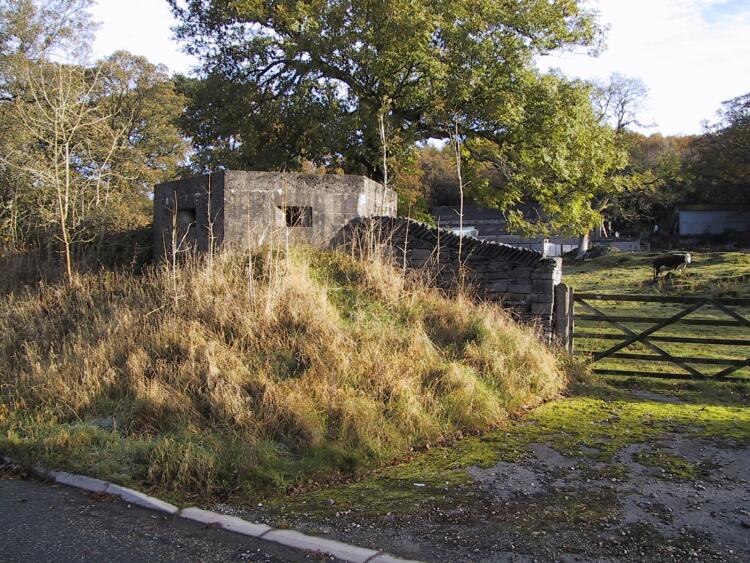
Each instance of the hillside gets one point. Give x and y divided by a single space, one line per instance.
721 274
253 374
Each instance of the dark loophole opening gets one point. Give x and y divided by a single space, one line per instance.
185 224
297 216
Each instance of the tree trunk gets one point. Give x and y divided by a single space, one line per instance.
64 209
65 239
457 148
583 246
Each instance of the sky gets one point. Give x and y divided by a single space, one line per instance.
691 54
142 27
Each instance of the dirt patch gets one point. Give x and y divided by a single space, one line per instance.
712 500
715 498
658 397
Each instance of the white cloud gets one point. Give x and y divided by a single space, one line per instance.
141 27
692 54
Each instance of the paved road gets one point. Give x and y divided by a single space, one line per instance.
42 522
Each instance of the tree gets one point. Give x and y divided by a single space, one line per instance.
70 152
37 29
620 101
30 31
231 124
719 162
112 128
80 146
657 164
438 175
308 80
143 101
287 82
557 157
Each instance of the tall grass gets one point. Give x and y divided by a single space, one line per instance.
254 372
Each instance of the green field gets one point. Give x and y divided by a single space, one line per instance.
717 275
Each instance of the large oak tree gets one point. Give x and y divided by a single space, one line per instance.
290 81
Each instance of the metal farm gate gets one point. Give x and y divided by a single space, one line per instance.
651 335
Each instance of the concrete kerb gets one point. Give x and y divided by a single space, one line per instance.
229 523
298 540
288 538
79 482
140 499
387 558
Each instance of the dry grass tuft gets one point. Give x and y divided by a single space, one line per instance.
254 371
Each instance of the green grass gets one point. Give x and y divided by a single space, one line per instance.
596 421
716 275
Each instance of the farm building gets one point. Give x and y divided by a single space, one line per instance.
698 220
247 209
490 225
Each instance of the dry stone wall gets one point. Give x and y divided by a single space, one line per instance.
521 279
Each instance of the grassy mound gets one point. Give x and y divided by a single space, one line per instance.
254 373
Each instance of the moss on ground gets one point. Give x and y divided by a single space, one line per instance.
560 509
672 466
598 420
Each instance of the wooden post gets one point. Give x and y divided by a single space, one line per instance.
571 324
563 316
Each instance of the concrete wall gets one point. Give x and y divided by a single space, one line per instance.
255 202
173 201
251 208
521 279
